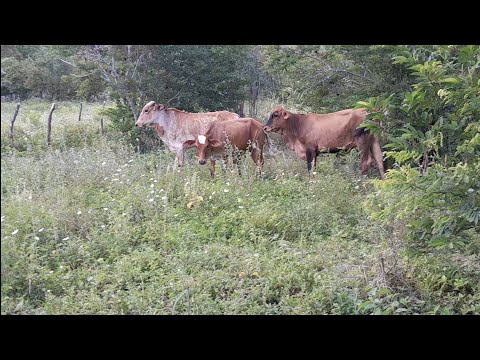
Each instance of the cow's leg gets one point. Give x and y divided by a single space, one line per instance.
237 160
225 163
212 167
366 161
310 156
378 157
257 157
180 158
315 160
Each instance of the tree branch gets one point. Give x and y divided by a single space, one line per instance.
68 63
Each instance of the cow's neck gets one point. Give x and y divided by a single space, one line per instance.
166 121
291 131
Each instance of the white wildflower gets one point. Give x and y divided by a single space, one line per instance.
150 200
16 231
65 238
79 212
226 190
40 230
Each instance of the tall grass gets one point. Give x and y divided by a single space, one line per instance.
30 129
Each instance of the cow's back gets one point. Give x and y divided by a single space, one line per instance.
239 132
331 130
194 124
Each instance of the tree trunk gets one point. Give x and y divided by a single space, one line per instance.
50 124
131 105
13 120
101 119
80 114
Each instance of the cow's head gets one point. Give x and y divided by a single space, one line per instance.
151 114
204 145
277 120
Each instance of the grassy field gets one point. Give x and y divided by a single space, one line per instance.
92 227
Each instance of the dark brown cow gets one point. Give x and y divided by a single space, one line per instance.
242 134
175 126
310 134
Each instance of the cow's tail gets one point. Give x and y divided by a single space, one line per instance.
370 148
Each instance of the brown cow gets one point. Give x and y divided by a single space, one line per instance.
311 134
175 126
242 134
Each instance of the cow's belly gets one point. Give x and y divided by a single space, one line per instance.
174 144
215 155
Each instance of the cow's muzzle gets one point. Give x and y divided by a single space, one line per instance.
201 162
267 128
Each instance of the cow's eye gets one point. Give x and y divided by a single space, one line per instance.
146 111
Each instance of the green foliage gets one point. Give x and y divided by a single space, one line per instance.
199 77
121 122
47 71
434 190
436 207
332 78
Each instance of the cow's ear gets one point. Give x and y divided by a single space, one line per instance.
214 143
286 115
159 107
188 144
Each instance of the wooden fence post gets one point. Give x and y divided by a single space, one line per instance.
50 124
80 114
101 119
13 121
